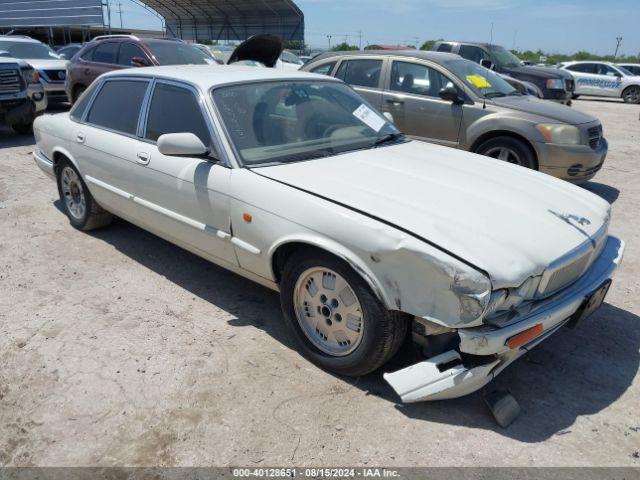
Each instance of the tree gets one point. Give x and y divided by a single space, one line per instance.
428 45
344 47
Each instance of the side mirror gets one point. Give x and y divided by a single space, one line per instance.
451 94
388 116
139 62
487 64
178 144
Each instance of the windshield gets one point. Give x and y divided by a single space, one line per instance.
624 71
483 81
504 57
289 57
32 50
279 122
222 52
176 53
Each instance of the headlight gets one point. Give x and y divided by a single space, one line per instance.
31 76
555 84
559 133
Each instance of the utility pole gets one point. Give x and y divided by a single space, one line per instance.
360 39
120 12
491 41
618 42
109 15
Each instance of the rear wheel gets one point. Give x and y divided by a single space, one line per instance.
78 93
23 128
509 150
338 322
631 94
78 203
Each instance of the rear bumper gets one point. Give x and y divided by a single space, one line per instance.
44 163
575 164
435 379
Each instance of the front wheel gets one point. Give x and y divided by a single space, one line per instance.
23 128
508 149
631 94
78 203
338 322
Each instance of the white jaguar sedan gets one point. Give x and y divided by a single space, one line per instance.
292 180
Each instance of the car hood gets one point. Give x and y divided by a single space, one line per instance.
265 49
544 108
505 220
46 64
539 72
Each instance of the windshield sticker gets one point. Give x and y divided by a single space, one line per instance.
370 118
478 81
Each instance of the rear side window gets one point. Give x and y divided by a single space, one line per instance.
582 67
127 52
117 105
324 69
475 54
445 47
106 53
77 112
363 73
175 110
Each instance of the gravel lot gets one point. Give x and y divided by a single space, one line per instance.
118 348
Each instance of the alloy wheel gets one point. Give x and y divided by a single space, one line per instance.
328 311
73 193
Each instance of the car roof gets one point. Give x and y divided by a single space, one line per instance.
420 54
207 76
19 38
575 62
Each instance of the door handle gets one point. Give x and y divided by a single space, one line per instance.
80 138
143 158
395 101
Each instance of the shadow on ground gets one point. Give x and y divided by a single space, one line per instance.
574 373
610 194
9 139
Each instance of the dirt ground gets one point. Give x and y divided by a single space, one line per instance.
118 348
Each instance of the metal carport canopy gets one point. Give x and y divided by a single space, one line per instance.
229 19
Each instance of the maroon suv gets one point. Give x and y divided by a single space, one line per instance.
113 52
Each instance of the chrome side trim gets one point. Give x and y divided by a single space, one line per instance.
158 209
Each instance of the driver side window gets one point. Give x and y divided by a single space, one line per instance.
127 52
417 79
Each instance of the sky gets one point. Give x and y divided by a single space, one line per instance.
554 26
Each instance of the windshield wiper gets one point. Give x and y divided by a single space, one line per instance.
391 137
494 94
515 93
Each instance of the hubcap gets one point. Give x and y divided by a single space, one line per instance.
505 154
72 193
633 95
328 311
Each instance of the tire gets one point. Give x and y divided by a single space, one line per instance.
631 94
77 202
575 97
23 128
78 92
508 149
380 332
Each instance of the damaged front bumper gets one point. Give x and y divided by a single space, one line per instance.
484 351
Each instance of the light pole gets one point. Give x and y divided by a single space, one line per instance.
618 42
329 38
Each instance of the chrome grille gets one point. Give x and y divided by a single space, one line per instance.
10 81
595 135
569 268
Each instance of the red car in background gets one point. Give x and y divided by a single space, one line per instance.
112 52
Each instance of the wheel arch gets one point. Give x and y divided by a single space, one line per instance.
624 90
505 133
280 252
59 154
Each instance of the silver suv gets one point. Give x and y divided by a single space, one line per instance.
443 98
